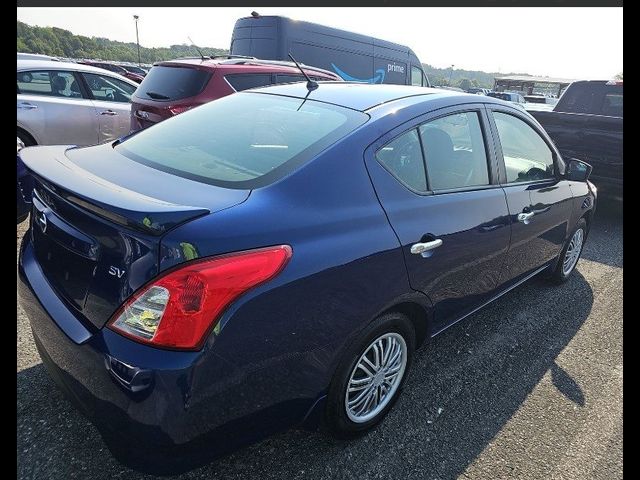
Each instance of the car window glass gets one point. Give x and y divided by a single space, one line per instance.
246 81
612 104
242 137
50 83
106 88
289 78
403 158
455 152
416 76
168 83
527 157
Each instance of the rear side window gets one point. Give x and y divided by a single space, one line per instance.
246 81
49 83
402 157
527 157
242 141
172 83
612 105
280 78
455 152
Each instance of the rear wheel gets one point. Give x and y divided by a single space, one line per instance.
370 376
26 138
570 253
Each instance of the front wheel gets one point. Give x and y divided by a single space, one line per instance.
369 379
570 253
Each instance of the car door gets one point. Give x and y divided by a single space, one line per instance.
52 107
451 216
112 99
538 197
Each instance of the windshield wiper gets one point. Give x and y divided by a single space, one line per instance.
157 96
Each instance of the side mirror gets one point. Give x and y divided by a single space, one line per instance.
578 171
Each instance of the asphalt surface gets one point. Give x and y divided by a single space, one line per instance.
528 388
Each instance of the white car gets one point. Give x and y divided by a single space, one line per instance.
63 103
36 56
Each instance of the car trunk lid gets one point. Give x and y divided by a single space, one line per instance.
98 218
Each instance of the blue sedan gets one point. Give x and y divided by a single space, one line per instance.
274 258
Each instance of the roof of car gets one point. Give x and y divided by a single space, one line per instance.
75 67
243 64
364 96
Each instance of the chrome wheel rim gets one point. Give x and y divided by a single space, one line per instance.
376 377
573 252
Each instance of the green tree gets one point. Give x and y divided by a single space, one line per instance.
619 76
465 84
59 42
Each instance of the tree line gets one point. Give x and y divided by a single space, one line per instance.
62 43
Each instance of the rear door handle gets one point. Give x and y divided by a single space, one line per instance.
27 106
422 247
525 217
110 113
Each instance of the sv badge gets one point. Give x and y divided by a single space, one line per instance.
116 272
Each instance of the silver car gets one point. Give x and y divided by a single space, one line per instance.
63 103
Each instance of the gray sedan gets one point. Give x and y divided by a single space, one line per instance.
70 103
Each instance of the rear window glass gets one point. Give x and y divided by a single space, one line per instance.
244 140
172 83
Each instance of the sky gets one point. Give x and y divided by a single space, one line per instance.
576 43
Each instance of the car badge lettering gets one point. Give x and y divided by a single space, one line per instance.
116 272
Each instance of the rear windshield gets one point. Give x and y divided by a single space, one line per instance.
172 83
244 140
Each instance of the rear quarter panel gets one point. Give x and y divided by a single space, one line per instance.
346 268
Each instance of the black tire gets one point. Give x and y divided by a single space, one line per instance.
26 138
336 418
559 275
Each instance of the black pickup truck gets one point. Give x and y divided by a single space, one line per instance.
586 123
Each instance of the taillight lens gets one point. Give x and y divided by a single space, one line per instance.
178 309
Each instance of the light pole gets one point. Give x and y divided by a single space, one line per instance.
136 17
450 72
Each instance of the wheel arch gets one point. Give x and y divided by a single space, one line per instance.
28 134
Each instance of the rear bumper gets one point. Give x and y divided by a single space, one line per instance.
77 359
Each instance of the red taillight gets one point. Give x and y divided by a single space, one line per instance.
180 109
178 309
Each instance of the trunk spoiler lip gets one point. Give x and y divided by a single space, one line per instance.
144 213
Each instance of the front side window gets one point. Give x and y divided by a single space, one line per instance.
416 76
242 141
455 152
48 83
106 88
402 157
527 157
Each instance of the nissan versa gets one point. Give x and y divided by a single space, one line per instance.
274 258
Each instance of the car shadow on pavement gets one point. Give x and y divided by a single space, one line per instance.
464 386
604 244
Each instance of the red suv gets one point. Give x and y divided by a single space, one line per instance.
174 86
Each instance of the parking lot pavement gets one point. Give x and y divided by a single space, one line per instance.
530 387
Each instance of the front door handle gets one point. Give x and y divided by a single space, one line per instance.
525 217
111 113
27 106
422 247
